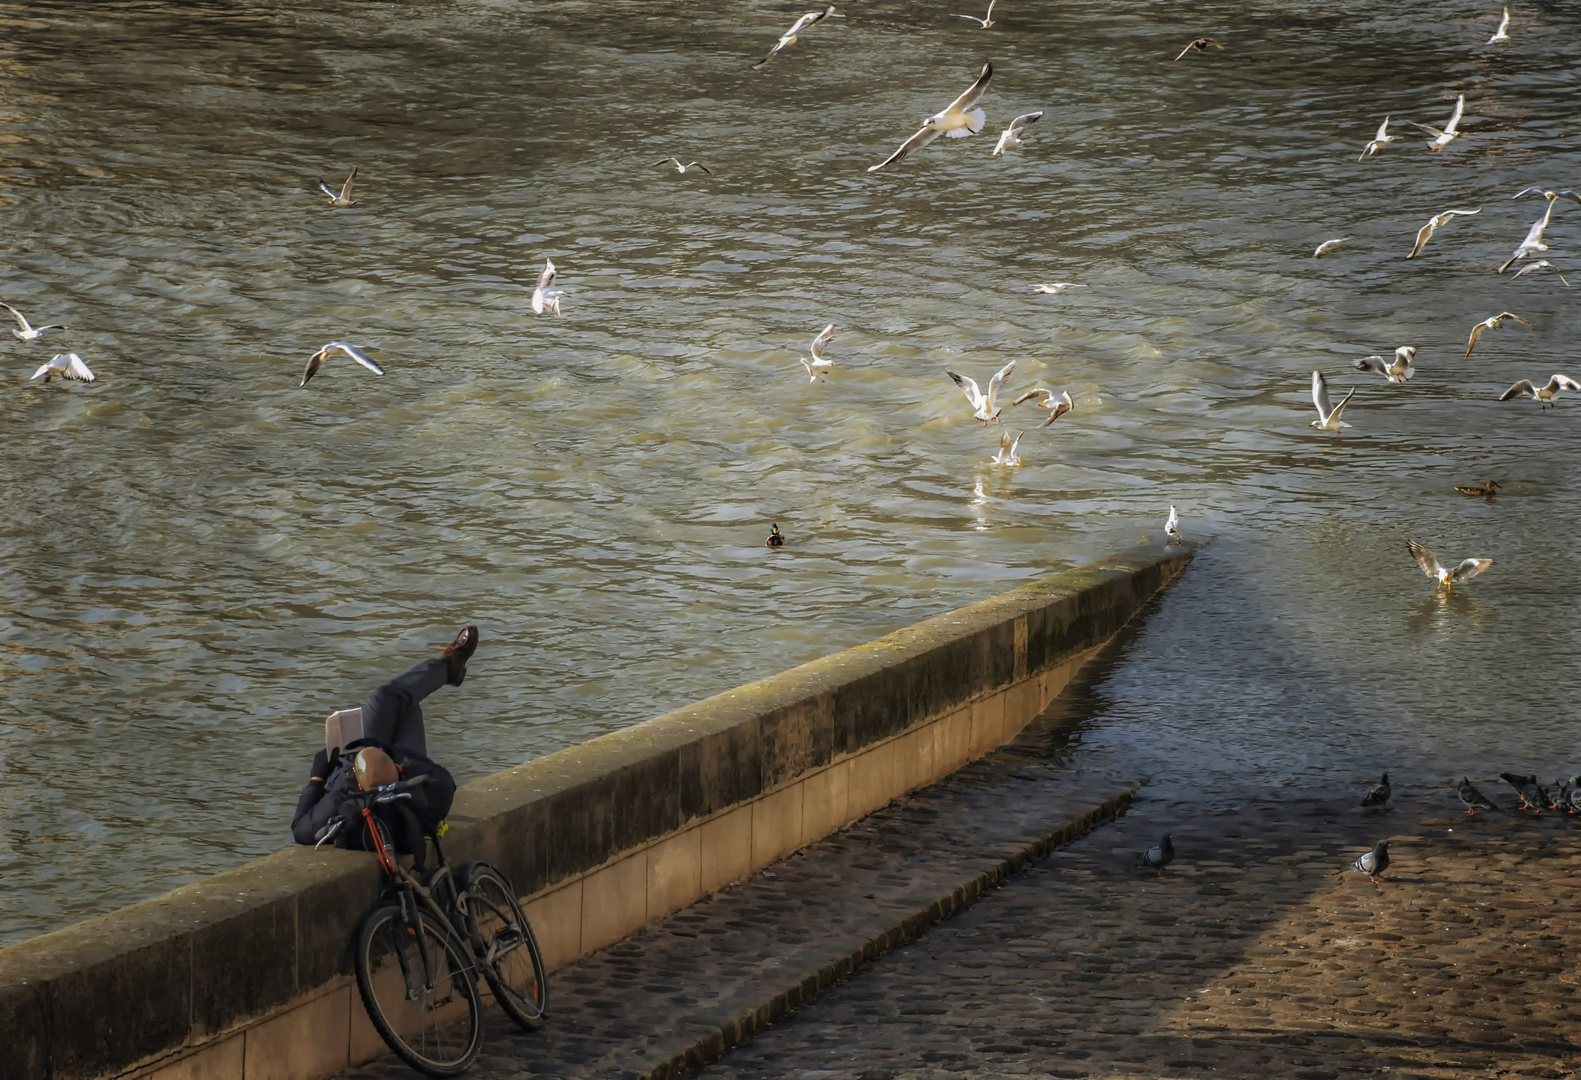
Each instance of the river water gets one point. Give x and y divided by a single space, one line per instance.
198 559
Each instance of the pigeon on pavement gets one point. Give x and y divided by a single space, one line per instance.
1473 798
1156 858
1374 863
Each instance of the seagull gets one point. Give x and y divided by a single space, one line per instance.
1502 34
1007 449
546 297
1054 288
316 361
1544 395
1328 245
1491 323
1379 141
1487 490
344 198
1549 193
1160 856
1538 265
689 165
954 120
1374 863
1057 404
1534 237
984 22
1379 795
986 405
1010 138
1438 221
1398 371
818 365
1473 798
1446 579
67 366
25 331
1172 526
1328 417
1447 134
1201 45
789 36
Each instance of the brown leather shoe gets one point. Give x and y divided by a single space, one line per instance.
458 652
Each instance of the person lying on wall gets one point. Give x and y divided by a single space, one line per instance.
393 747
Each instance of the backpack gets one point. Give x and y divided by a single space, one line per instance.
430 802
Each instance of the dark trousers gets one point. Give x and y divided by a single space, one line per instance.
394 713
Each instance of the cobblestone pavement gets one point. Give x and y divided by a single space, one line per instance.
1247 958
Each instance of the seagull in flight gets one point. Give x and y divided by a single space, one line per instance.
1379 141
818 365
1491 323
789 36
1399 370
1447 134
1007 449
1200 44
546 297
1328 415
1436 222
985 405
316 361
67 366
344 196
1054 288
1549 193
1057 404
1503 32
689 165
25 331
1172 527
1012 135
986 21
1328 245
957 120
1543 395
1538 265
1534 236
1446 579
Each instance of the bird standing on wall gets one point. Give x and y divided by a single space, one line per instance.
342 197
957 120
1172 527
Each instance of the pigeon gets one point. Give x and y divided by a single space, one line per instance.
25 331
986 406
316 361
546 297
1533 797
1007 454
1328 415
986 21
1436 222
1374 863
1328 245
1379 141
1200 44
1473 798
957 120
1503 32
1156 858
67 366
1172 527
789 36
1057 404
1011 137
818 366
689 165
1492 322
1446 579
1564 790
1379 795
1398 371
1447 134
1544 395
1575 794
343 197
776 538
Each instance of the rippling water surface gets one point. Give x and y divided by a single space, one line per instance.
198 559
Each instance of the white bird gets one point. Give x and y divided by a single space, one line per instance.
1445 579
316 361
985 405
67 366
1328 415
1538 265
24 331
1549 193
689 165
1436 222
1057 404
789 36
1543 395
1011 137
1007 449
1502 33
1329 245
984 22
1447 134
957 120
818 364
1399 370
1054 288
1534 237
1493 322
1200 44
343 198
1379 141
546 297
1172 526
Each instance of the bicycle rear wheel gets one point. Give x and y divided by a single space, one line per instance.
511 961
419 986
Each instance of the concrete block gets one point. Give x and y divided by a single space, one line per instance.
309 1040
776 826
244 966
614 902
723 768
797 738
674 873
24 1047
218 1061
1022 703
726 849
327 913
914 758
556 921
106 1016
873 781
988 724
823 802
952 741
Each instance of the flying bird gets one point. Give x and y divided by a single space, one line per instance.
1379 141
1534 237
1201 45
1543 395
1398 370
957 120
689 165
1445 579
1549 193
67 366
1328 245
1328 416
1473 799
1054 288
1503 32
1374 863
1007 454
986 405
1447 134
1379 795
1160 855
343 198
1172 526
1493 322
986 21
1057 404
818 365
24 330
1011 136
1540 264
789 36
1486 490
546 297
1438 221
316 361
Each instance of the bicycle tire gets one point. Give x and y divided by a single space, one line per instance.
511 961
427 1027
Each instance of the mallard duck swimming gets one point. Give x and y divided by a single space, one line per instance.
1488 488
776 538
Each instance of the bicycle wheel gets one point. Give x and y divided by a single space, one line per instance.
509 958
420 988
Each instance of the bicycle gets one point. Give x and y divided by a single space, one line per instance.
420 950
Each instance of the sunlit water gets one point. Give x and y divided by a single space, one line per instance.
199 559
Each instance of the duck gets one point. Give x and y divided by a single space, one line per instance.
1488 488
776 538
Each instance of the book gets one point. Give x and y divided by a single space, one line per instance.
341 728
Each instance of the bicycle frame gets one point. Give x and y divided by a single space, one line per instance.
415 898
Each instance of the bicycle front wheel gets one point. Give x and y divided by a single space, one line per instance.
509 953
420 989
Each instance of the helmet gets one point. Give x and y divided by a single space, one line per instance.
374 768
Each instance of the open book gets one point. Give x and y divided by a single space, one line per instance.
341 728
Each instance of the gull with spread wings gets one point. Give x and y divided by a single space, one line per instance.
1447 134
1446 579
957 120
817 366
1543 395
1012 134
1538 265
316 361
1008 448
1534 235
1379 141
689 165
1436 222
1200 44
1503 32
986 21
343 197
26 331
67 366
986 406
1493 322
1399 370
1058 404
789 36
546 297
1328 415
